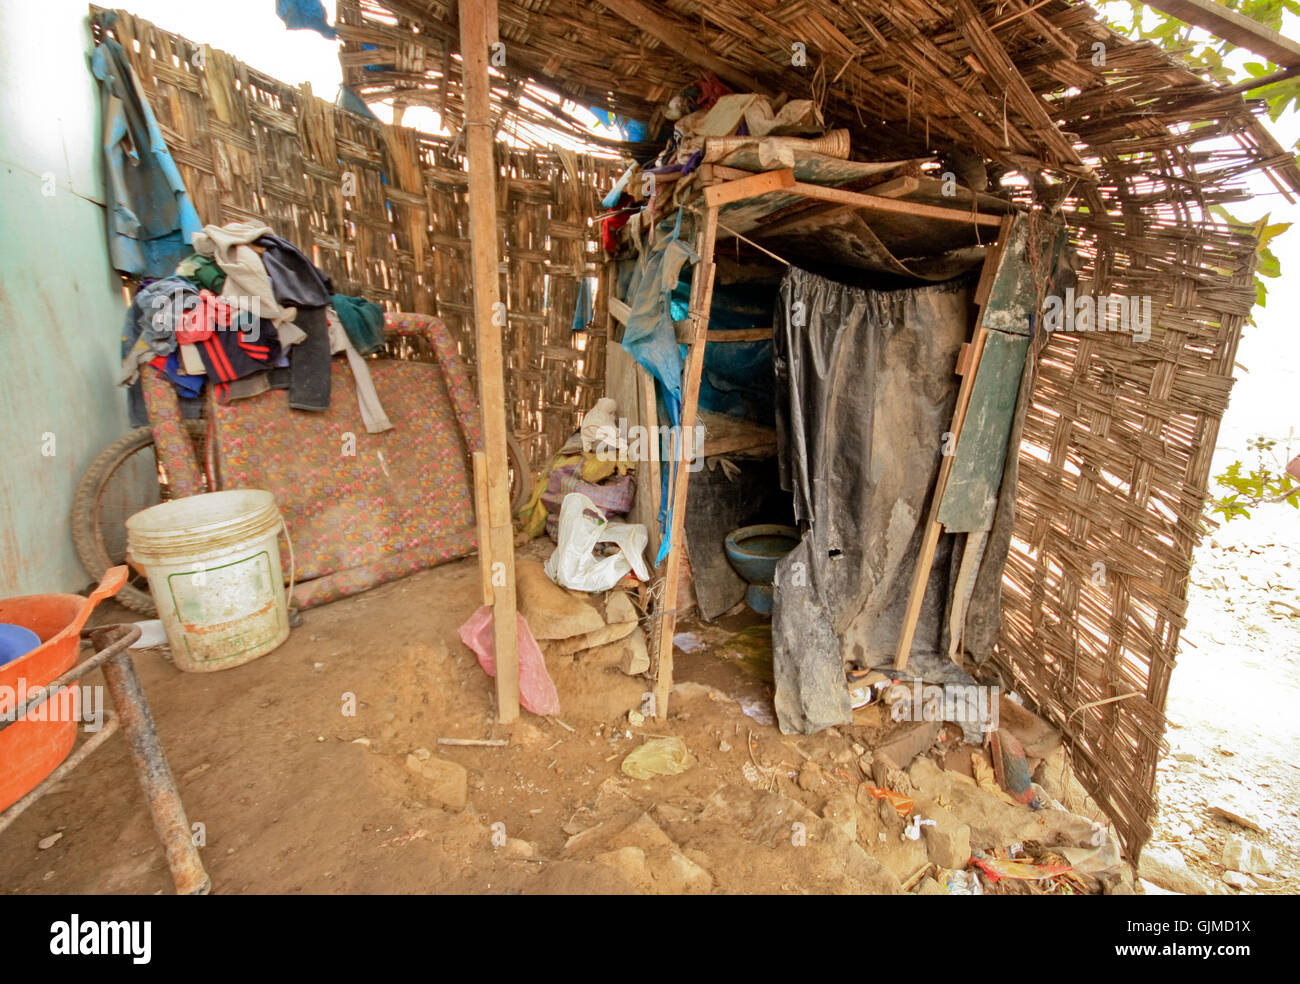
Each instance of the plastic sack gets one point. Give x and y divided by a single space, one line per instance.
657 757
582 526
537 691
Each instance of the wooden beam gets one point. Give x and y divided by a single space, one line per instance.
681 39
741 335
1234 27
896 187
701 300
876 204
748 187
476 20
714 173
619 311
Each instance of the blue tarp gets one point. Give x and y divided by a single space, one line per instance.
305 15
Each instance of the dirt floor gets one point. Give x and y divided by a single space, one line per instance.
294 794
1234 731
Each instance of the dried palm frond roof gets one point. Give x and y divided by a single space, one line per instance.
1036 86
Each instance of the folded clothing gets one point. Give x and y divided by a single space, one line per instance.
187 386
362 320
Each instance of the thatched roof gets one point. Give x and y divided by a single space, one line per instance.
1035 86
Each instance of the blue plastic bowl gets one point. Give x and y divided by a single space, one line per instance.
16 641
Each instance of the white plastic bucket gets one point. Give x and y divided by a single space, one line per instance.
214 572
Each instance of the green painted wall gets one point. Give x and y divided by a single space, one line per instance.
61 305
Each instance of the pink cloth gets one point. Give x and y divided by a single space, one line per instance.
537 691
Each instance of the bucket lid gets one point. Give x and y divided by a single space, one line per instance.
198 524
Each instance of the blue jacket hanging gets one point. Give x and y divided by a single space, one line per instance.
150 218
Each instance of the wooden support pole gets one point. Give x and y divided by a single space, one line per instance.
1232 26
701 299
477 32
484 525
930 538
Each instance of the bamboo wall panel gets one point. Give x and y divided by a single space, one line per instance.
382 210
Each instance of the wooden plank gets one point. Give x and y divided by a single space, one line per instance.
963 359
930 537
717 173
749 187
741 335
896 187
874 203
701 300
484 526
810 166
1234 27
971 494
649 471
680 38
618 310
476 16
971 555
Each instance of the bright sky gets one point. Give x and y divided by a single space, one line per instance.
1269 357
250 30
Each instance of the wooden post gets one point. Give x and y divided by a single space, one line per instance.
478 20
701 299
484 525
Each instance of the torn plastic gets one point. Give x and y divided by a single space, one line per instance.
537 691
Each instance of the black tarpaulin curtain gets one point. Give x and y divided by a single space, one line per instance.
865 395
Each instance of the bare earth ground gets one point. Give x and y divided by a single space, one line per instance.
292 801
295 796
1234 700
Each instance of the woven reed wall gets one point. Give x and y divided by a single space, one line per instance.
382 210
1113 468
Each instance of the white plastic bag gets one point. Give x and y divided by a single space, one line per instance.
582 526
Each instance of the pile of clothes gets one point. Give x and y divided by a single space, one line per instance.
595 462
248 312
705 123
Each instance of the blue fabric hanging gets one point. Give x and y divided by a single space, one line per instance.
582 313
150 219
650 337
305 15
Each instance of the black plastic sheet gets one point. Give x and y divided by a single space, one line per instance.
865 396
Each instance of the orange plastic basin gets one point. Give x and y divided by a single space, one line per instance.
31 749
